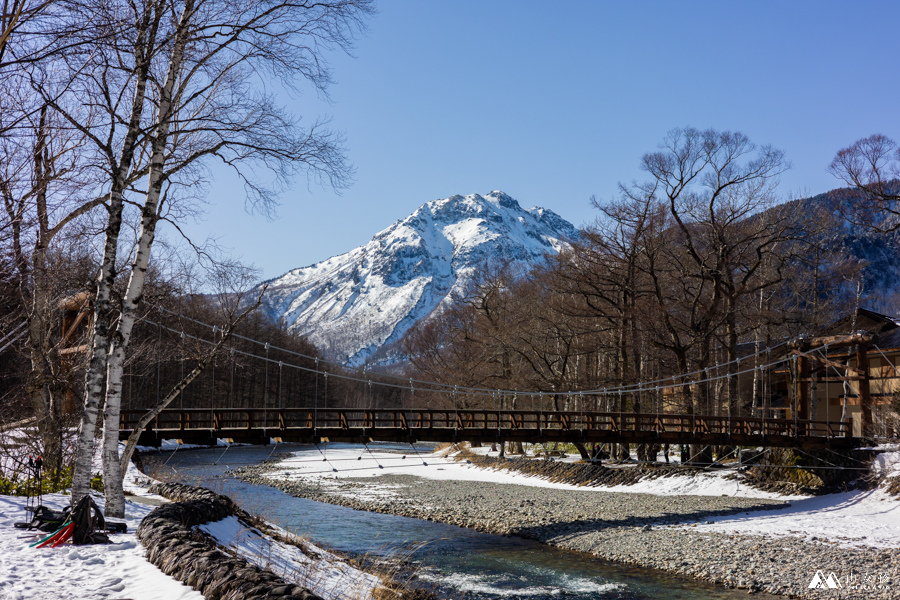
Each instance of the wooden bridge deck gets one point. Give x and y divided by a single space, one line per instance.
409 425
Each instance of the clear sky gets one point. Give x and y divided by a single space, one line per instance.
552 102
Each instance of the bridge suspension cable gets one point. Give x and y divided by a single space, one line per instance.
455 390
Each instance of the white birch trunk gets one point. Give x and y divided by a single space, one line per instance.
103 316
81 476
112 476
112 473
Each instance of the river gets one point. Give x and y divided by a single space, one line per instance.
454 562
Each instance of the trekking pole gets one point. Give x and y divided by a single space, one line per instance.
38 466
29 490
31 481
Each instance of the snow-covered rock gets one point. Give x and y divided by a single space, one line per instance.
353 304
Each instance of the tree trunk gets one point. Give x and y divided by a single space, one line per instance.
115 497
145 47
37 299
96 372
585 455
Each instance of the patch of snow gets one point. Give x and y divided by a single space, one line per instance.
858 518
342 462
326 574
862 517
117 570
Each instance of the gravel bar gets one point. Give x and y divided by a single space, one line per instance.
637 529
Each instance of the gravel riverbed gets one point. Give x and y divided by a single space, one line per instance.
639 529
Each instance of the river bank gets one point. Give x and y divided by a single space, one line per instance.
675 533
129 567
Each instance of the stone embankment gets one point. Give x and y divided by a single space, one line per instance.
179 550
638 529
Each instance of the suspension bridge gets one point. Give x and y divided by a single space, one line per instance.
304 419
314 425
309 419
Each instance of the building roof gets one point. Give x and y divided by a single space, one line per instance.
866 320
889 340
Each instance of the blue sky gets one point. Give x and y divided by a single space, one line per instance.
554 102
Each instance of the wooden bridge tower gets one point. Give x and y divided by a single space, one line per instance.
807 362
77 311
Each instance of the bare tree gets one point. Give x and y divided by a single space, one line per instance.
872 167
206 104
714 183
40 188
109 74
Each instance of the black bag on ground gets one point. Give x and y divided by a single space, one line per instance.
49 520
88 519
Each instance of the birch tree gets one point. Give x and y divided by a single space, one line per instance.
112 78
209 102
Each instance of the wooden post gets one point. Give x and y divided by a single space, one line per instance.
865 398
803 371
803 388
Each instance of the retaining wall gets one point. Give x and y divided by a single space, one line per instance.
180 551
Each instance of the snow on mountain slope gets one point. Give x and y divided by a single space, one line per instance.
353 304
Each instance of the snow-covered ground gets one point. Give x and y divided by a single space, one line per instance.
119 569
341 461
857 518
860 517
325 574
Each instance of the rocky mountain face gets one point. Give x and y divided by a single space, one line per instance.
878 253
352 305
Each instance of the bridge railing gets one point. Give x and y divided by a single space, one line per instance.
294 419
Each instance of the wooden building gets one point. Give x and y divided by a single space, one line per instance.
855 362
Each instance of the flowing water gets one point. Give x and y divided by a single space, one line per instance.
454 562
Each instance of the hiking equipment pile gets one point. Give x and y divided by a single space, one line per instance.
84 526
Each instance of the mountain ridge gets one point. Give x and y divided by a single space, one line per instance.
353 304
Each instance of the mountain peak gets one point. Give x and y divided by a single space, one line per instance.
503 200
356 303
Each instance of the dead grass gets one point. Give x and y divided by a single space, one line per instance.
892 486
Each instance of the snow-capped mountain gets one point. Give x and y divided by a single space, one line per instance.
353 304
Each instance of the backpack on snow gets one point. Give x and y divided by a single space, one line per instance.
88 520
48 520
